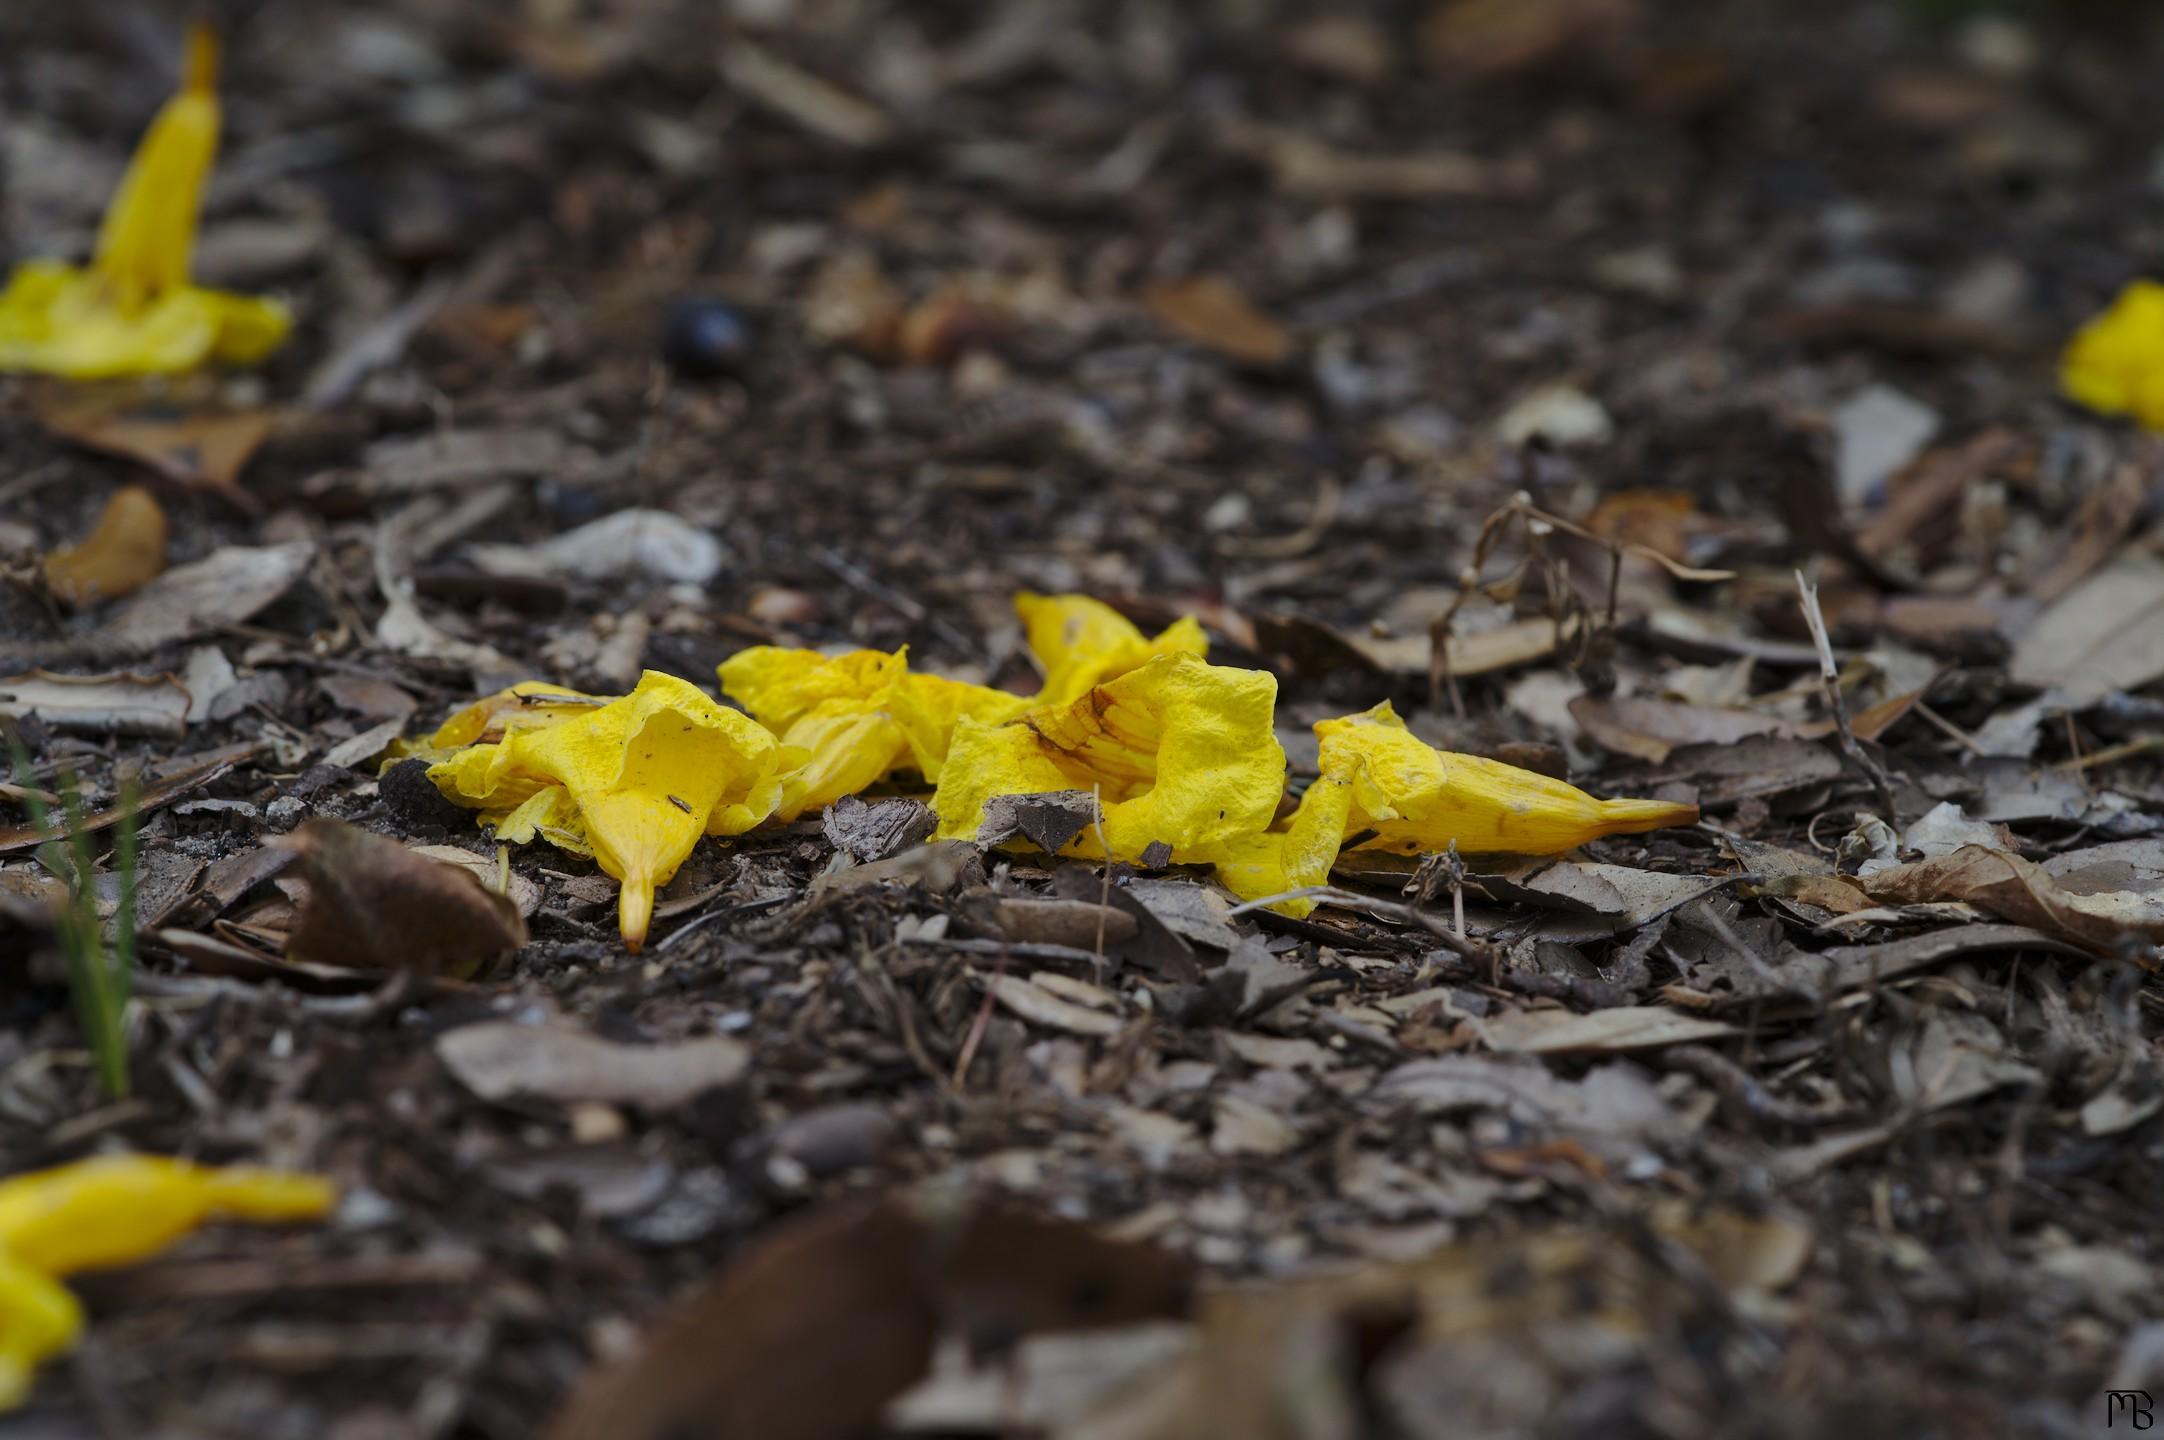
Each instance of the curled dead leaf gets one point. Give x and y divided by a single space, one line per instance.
1214 313
813 1330
373 904
122 553
206 450
2114 922
498 1060
118 704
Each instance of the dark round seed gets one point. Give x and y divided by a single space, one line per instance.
702 338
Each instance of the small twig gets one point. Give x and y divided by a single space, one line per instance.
1104 893
2111 755
1947 728
978 1026
1746 1095
1829 675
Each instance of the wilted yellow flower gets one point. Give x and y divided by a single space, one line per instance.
1081 643
634 783
133 312
112 1211
2115 363
857 717
528 704
1378 776
1178 751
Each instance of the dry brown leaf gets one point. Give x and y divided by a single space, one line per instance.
122 553
99 704
1308 1359
1599 1032
225 587
850 301
1215 314
2106 514
498 1061
1307 167
1652 729
205 450
812 1331
1040 1006
485 868
1493 37
404 464
803 97
2105 634
373 904
2116 922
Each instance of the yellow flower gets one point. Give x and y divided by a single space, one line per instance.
133 312
634 783
2115 363
1377 776
858 717
113 1211
1178 751
530 703
1081 643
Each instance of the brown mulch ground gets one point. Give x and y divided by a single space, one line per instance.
1706 260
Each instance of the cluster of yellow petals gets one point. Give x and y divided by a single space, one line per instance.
2115 363
1177 752
633 782
132 311
113 1210
858 717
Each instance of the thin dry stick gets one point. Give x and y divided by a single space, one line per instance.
1947 728
1829 675
2113 754
983 1022
1104 893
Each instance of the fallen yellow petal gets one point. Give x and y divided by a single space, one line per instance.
114 1210
122 553
39 1318
528 703
647 775
1178 751
1379 778
2115 363
1081 643
1419 800
1293 857
857 717
132 311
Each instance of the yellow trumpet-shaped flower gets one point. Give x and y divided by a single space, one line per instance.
132 311
2115 363
1081 643
1379 777
113 1211
633 783
1177 750
857 717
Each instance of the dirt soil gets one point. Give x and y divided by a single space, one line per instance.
1298 318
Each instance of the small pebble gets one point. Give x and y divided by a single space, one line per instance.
703 338
834 1138
285 812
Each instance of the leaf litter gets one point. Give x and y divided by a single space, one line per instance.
1044 333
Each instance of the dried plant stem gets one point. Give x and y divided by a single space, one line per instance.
1829 675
